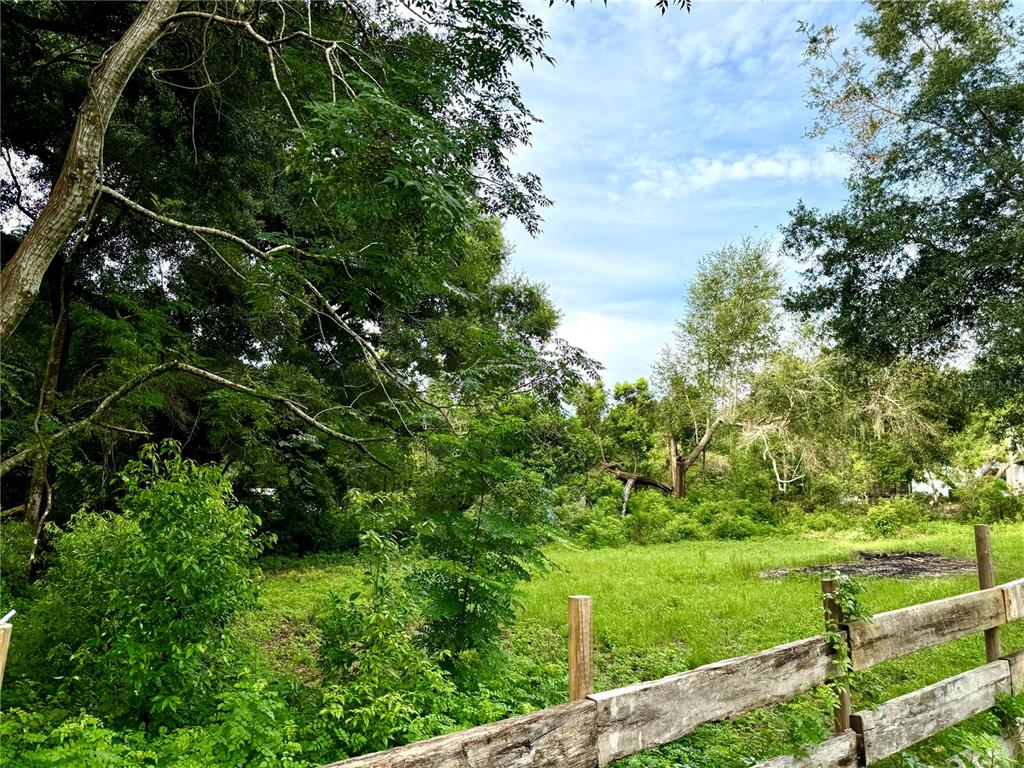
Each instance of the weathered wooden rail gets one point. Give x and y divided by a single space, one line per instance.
597 728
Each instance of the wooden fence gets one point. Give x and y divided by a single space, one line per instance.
597 728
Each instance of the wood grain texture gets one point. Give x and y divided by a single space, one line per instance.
5 642
987 580
581 647
904 721
559 737
1016 662
896 633
645 715
839 751
1013 595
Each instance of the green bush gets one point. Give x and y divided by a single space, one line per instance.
732 526
649 515
132 617
33 740
988 500
825 520
600 525
15 548
251 727
720 512
888 517
604 531
382 688
682 527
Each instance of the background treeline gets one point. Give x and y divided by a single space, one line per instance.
283 325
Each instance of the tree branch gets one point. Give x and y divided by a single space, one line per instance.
95 418
75 186
373 358
636 478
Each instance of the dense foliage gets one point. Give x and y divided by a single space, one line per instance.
923 258
285 327
131 620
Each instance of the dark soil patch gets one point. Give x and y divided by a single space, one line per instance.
892 565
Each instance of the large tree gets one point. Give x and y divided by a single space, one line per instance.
924 258
277 234
729 330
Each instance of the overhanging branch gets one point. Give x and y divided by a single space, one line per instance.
95 419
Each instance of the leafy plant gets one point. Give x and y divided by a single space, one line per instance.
132 620
988 500
380 685
845 599
888 517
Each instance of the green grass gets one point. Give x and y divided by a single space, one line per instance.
708 599
283 627
666 608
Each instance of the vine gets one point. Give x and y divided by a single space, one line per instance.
845 596
802 720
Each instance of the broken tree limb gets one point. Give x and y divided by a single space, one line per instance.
627 489
635 478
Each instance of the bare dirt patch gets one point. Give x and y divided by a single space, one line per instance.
891 565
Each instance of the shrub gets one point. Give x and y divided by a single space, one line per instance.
649 515
134 612
682 527
381 686
31 739
759 511
600 525
15 547
825 520
888 517
988 500
604 531
732 526
252 727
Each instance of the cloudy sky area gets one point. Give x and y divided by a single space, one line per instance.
664 137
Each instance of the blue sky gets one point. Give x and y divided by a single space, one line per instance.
663 138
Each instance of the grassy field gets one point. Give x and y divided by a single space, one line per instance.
665 608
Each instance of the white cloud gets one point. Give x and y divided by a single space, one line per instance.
664 137
677 179
627 345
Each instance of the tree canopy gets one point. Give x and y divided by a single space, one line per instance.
924 258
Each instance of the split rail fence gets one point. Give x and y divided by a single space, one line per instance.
596 728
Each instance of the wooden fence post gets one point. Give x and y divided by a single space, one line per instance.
5 641
987 580
581 648
841 714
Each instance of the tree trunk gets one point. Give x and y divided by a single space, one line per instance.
698 451
676 469
77 183
37 500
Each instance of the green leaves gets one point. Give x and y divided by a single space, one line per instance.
918 261
134 612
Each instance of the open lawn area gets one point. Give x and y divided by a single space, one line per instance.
666 608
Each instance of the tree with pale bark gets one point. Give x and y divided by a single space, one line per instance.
728 333
262 220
